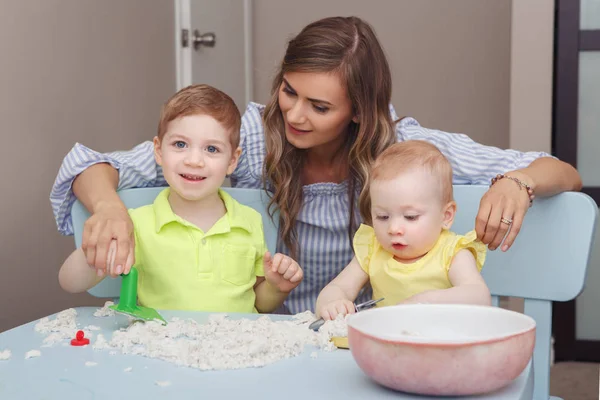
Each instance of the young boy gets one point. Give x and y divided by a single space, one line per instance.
409 254
196 248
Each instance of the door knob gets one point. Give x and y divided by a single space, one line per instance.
206 39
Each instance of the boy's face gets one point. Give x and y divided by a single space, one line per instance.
408 214
196 155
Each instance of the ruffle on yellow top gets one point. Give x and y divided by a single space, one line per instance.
468 242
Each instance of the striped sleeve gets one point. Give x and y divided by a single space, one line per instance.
248 173
137 168
472 163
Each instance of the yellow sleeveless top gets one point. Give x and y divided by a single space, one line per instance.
397 281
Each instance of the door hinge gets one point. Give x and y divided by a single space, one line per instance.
185 37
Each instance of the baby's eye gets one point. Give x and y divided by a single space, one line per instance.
382 217
411 217
179 144
212 149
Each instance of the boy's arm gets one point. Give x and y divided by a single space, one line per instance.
468 284
281 275
345 286
268 298
75 275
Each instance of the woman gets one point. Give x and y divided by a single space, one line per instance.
311 147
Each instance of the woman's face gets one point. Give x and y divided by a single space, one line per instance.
316 109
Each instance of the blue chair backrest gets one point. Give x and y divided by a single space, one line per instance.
548 261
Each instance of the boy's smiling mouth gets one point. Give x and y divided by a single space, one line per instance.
192 178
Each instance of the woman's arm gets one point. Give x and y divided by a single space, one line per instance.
549 176
93 178
96 188
507 199
476 164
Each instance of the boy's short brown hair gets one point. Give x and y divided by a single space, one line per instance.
404 156
202 100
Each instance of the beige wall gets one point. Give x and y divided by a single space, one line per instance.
450 60
71 70
532 52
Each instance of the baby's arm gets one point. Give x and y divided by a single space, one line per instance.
468 284
75 275
338 296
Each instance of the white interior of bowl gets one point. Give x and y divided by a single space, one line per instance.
440 323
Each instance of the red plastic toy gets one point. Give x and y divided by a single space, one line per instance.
80 340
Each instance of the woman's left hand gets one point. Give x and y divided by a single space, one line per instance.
501 210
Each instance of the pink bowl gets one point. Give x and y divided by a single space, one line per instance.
441 350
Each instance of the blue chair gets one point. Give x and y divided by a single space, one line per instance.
548 262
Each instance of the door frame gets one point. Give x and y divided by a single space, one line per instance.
184 54
570 40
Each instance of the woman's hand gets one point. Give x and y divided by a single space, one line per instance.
109 222
501 210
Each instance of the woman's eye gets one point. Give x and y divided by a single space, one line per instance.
321 110
212 149
179 144
288 91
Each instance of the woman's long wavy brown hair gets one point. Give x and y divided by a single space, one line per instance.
349 47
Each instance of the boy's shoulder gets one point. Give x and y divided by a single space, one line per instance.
246 213
142 211
142 215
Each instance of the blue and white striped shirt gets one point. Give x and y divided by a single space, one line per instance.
324 247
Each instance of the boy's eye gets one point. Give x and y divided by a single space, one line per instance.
382 217
212 149
411 217
179 144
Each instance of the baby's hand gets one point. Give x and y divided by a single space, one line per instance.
331 310
282 272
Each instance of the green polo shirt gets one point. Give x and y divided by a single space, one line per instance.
183 268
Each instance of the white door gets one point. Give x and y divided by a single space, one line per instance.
213 42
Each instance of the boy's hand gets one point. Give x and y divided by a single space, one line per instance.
282 272
331 310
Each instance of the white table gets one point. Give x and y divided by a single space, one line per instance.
60 373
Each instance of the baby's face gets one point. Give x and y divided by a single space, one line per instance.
408 214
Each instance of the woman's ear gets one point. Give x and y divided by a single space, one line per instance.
449 213
157 150
355 119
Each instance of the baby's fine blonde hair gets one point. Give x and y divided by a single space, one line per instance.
402 157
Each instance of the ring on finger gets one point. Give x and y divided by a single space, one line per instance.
507 221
